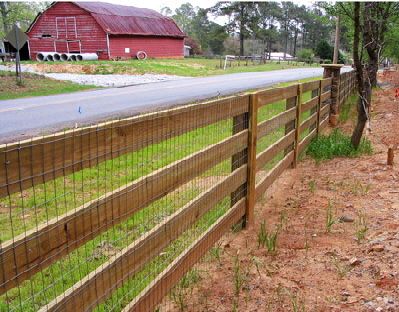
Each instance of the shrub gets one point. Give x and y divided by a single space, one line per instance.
305 55
337 144
326 51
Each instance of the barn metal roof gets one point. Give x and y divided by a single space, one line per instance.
127 20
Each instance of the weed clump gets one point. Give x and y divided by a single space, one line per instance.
337 144
266 239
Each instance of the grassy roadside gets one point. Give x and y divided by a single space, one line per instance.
37 85
34 85
21 212
191 67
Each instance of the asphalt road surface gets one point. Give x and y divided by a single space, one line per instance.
24 118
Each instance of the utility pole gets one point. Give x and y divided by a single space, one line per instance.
336 45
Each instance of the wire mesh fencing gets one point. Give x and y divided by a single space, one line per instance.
111 217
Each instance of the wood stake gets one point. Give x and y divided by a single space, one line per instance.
390 156
252 138
297 124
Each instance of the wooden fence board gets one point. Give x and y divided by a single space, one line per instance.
326 82
273 174
276 94
32 162
324 123
324 110
306 140
99 284
150 297
310 86
325 96
277 121
268 154
307 123
30 252
308 105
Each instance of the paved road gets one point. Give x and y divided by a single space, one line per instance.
22 118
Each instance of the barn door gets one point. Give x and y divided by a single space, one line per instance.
61 27
61 46
74 46
71 30
66 27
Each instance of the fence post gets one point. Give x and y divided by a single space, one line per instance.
252 137
333 71
240 123
297 124
289 126
318 107
314 109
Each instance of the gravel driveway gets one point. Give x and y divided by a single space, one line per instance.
101 80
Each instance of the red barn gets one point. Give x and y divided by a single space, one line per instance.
111 31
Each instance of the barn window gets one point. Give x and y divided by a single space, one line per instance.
127 50
46 36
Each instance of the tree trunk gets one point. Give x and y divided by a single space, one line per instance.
242 30
372 69
295 41
286 43
364 87
269 49
362 115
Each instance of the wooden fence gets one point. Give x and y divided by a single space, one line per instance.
68 218
346 86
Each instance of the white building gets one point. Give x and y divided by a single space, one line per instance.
280 56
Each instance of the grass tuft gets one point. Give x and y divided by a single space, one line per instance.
330 219
337 144
266 239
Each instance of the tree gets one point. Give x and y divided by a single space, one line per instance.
286 20
364 87
370 25
324 50
377 15
183 17
391 42
216 37
243 18
18 12
269 14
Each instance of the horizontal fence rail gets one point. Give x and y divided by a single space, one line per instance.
112 216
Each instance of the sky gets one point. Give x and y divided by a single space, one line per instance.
158 4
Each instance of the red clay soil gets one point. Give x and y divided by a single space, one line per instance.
313 270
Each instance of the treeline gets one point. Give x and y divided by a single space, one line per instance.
250 28
257 28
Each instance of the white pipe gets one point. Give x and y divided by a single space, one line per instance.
57 57
68 57
87 57
42 56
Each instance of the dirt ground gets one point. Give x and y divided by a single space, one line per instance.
313 269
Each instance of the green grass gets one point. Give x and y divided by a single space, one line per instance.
337 144
346 110
24 211
192 67
34 85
